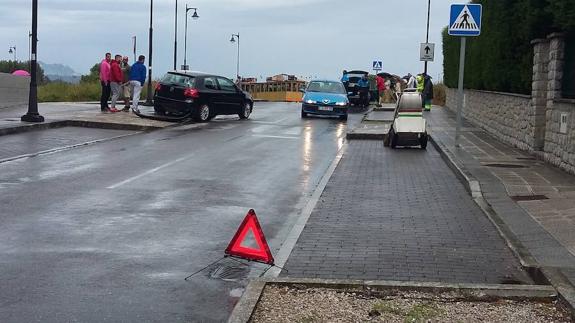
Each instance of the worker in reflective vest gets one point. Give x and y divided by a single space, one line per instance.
420 86
427 92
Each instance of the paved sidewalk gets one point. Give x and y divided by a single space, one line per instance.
400 215
534 199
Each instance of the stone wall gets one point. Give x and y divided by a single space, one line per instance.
506 116
532 123
13 90
560 146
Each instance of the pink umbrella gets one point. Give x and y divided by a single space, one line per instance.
21 73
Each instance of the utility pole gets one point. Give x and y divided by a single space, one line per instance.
33 115
176 38
149 100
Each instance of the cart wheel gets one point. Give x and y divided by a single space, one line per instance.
394 139
423 141
386 140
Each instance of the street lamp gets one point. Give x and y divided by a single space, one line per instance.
195 16
149 99
233 40
33 115
12 50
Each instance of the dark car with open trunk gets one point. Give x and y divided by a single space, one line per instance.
201 96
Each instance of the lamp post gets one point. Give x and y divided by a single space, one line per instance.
427 36
12 50
176 37
195 17
33 115
149 99
233 40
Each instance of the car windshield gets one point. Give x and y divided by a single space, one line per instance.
326 87
178 79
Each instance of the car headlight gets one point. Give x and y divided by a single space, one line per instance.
310 102
341 104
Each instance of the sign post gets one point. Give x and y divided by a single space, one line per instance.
427 52
465 21
377 66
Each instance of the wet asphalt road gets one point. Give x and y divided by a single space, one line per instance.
108 232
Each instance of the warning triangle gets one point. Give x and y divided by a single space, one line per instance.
242 247
464 21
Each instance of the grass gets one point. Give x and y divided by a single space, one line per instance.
417 313
65 92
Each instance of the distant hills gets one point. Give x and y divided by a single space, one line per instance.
60 72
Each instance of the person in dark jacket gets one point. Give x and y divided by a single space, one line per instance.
137 80
363 85
427 92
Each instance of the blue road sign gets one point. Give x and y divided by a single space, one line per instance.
465 20
377 65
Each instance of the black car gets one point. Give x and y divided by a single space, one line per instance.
351 86
202 96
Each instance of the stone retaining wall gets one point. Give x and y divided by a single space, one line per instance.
560 146
531 123
13 90
506 116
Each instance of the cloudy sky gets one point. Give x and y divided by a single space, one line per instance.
311 38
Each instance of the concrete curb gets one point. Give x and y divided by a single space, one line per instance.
288 245
32 126
365 136
80 123
539 274
248 303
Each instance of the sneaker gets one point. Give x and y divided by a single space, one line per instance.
114 110
106 110
126 109
136 110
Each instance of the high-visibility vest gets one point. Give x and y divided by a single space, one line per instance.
420 85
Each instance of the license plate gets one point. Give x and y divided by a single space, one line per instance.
325 108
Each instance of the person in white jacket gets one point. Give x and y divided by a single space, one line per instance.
411 82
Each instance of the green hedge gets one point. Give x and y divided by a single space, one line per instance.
501 58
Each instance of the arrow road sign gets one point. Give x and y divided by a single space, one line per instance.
465 20
427 52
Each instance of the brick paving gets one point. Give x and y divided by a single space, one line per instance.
399 215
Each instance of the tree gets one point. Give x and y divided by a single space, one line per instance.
11 66
94 75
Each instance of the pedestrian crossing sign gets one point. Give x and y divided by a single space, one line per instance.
465 20
377 65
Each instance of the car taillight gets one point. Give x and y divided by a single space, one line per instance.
158 87
191 93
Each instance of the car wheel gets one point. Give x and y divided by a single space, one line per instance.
246 111
159 111
343 117
303 114
394 138
202 113
423 141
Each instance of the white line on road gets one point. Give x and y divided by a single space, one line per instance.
276 137
151 171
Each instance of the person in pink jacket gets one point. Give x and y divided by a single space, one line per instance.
105 79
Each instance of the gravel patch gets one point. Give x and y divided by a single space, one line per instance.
289 304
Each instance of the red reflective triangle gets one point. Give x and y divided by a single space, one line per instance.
235 248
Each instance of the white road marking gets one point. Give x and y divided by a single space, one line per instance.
276 137
151 171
